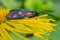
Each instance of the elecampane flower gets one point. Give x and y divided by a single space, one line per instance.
37 26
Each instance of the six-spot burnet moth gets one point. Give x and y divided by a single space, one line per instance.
20 14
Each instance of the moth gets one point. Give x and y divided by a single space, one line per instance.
20 14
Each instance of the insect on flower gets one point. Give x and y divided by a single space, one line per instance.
38 26
20 14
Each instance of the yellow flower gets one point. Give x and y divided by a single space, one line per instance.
37 26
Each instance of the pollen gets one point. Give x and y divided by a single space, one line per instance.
3 13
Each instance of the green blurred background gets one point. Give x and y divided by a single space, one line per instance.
38 6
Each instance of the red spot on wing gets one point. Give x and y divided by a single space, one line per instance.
20 13
29 14
14 16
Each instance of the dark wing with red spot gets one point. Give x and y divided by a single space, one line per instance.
20 14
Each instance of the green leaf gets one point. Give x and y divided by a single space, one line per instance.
1 7
38 5
55 35
12 4
56 9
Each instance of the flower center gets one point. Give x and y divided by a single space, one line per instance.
3 13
